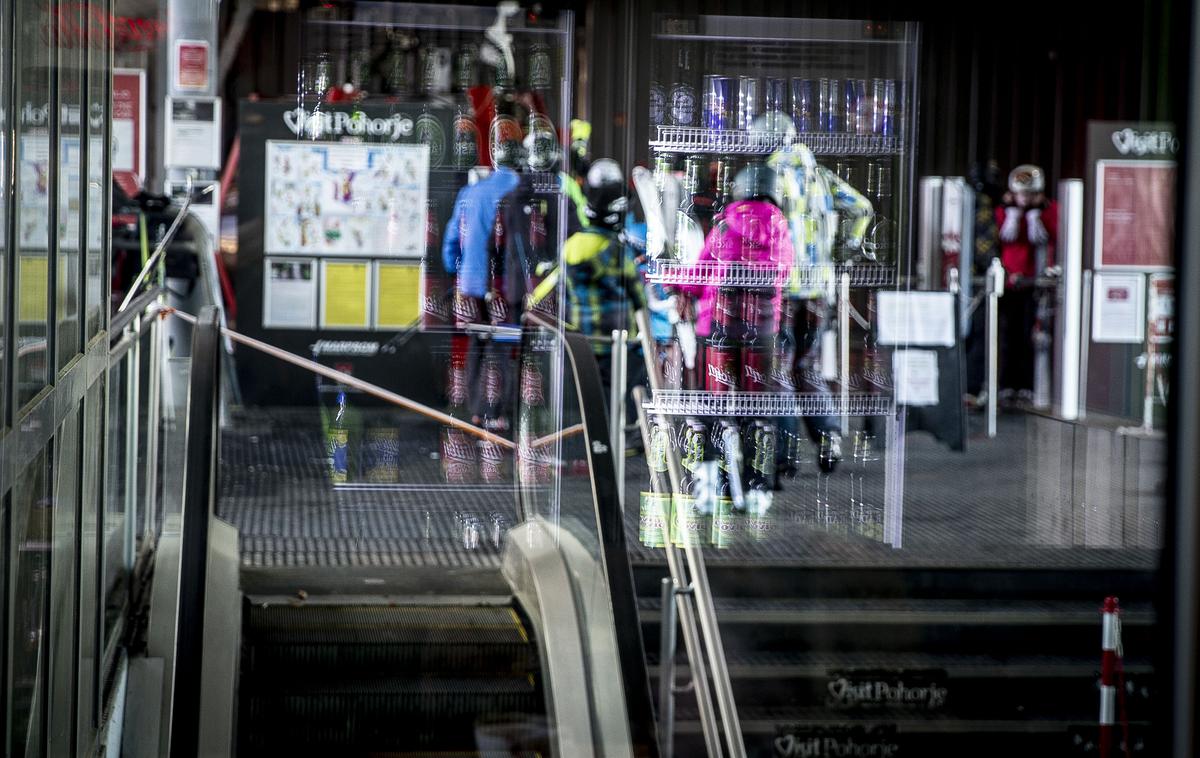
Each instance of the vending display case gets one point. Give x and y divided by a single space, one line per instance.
782 181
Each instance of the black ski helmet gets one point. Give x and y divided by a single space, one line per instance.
604 189
757 181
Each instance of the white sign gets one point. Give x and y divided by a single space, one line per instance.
328 198
1118 307
290 293
326 124
916 373
193 132
916 318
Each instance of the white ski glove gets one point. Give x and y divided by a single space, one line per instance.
1034 226
1012 224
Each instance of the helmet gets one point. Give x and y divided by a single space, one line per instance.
1027 178
604 189
756 180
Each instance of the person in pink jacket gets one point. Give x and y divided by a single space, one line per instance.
750 230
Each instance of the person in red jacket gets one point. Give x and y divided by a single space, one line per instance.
1028 223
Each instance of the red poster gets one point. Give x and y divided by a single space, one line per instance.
1135 214
191 64
129 128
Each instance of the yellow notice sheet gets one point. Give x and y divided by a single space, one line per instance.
346 294
397 294
33 288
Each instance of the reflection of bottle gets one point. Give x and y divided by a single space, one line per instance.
466 67
658 92
541 67
656 498
687 220
429 130
458 454
881 237
339 443
876 373
466 140
724 186
683 90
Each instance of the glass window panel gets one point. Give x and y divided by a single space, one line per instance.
146 459
30 572
89 619
70 98
5 157
98 188
33 172
116 498
63 626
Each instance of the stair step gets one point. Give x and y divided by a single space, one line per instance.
911 611
795 665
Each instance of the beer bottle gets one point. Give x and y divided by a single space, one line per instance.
655 500
339 442
682 111
881 237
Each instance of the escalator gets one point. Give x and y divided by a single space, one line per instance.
518 641
405 678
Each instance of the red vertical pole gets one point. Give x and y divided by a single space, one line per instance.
1109 662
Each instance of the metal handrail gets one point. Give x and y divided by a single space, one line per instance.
704 613
152 261
353 382
610 525
199 493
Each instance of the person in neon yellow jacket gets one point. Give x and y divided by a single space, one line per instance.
816 202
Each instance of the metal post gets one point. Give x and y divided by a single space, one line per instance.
1070 313
1085 341
132 360
154 421
844 357
666 670
995 283
693 644
616 407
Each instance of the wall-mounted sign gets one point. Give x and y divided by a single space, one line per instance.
397 294
193 132
290 293
1118 307
345 294
1135 214
191 65
1131 175
356 199
129 128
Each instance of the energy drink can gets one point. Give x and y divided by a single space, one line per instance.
804 104
721 367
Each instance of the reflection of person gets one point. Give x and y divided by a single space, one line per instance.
989 194
468 252
1028 223
602 283
813 197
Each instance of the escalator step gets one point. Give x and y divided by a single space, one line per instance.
383 624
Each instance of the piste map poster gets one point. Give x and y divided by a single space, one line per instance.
352 199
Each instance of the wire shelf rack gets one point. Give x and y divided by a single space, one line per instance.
694 139
766 275
766 404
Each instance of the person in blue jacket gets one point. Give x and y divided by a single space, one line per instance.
469 251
